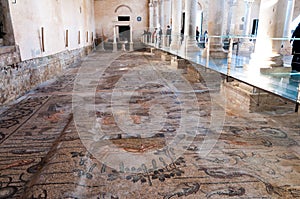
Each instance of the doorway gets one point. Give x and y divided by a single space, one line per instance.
182 23
124 33
254 27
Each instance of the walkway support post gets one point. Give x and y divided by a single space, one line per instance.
298 99
229 58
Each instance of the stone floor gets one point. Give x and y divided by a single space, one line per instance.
128 125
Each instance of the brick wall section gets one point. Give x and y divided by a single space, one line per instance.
17 78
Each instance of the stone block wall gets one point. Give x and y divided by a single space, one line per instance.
249 99
18 77
193 74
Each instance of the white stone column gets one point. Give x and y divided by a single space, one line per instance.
151 17
271 20
162 14
166 18
248 5
131 38
246 45
286 45
215 28
115 47
176 24
157 14
229 16
189 41
168 12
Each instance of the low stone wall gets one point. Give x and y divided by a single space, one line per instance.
249 99
18 77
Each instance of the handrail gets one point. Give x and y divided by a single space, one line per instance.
276 86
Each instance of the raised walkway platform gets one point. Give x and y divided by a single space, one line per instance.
281 81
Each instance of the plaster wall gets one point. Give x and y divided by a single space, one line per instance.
29 16
107 11
238 15
296 9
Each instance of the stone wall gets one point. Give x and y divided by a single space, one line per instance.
246 98
42 38
18 77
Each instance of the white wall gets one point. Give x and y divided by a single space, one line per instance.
29 16
105 15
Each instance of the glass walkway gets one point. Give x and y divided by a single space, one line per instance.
282 82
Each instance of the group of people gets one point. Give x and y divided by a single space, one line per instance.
203 39
156 36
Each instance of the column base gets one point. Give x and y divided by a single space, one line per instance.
115 47
175 47
189 45
218 53
246 46
131 46
274 60
268 64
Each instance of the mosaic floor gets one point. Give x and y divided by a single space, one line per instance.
128 125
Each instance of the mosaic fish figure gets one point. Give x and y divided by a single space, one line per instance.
183 189
230 191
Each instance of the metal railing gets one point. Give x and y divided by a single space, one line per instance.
241 60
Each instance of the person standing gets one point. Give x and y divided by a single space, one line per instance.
197 34
204 39
168 33
159 38
154 36
296 49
